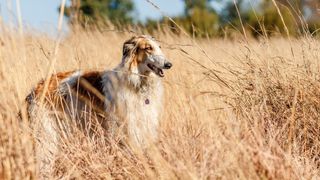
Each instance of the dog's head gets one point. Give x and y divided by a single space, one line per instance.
144 55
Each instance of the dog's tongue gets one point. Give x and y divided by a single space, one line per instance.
160 72
156 70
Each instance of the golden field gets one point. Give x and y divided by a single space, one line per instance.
233 109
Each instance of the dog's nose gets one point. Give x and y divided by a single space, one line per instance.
167 65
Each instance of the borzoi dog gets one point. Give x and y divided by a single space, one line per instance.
127 99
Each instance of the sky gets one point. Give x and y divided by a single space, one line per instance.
42 15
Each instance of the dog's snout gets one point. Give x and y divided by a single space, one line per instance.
167 65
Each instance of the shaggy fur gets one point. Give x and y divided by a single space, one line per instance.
126 100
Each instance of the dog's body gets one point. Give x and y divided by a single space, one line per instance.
126 100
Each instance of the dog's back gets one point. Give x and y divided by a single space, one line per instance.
70 95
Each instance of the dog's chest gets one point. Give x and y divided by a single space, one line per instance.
141 111
144 105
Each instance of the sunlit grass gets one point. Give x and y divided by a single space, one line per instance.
233 109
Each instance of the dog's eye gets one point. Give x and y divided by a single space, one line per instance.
149 48
160 47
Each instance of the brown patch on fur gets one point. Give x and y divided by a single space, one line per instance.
53 83
90 86
136 44
88 90
138 48
144 48
51 92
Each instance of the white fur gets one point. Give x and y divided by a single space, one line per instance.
138 98
142 118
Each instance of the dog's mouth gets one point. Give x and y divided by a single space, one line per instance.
156 70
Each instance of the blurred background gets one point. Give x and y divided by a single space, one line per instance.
199 18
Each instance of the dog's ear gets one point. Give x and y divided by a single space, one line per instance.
129 47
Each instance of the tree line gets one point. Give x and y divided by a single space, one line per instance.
200 19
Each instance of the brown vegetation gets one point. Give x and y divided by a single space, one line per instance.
233 109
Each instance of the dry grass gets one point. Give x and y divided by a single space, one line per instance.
233 110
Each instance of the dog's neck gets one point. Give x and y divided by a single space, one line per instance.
138 78
142 81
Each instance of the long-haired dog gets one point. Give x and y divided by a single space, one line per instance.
125 100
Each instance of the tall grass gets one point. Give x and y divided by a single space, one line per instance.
233 109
